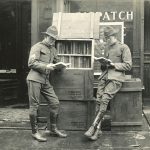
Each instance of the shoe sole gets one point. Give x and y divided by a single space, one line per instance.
39 139
56 135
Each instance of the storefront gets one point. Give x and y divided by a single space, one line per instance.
128 13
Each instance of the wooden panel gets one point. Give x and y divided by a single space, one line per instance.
81 25
73 115
126 108
8 90
73 84
146 91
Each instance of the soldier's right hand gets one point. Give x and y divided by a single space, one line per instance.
50 66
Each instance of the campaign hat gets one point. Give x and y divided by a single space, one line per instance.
110 31
52 31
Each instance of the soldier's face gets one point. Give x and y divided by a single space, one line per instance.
111 40
50 40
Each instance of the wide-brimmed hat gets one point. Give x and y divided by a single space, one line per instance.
52 31
109 31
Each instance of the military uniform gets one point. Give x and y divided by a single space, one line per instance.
111 79
38 77
111 82
41 58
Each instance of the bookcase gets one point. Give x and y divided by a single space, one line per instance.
77 52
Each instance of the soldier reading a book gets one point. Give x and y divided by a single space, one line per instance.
42 60
118 60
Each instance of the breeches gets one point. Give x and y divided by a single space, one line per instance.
106 91
35 90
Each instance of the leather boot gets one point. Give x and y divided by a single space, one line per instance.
35 133
56 132
97 133
37 136
53 127
90 131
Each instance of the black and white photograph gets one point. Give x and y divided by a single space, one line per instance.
74 74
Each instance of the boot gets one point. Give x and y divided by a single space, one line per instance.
95 136
35 133
56 132
97 133
37 136
53 127
90 131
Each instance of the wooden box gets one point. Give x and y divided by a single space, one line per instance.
77 25
126 107
73 115
73 84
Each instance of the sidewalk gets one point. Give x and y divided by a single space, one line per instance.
19 138
22 140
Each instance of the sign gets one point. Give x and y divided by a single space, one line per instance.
114 15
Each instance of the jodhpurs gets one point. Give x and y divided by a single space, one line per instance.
35 90
106 91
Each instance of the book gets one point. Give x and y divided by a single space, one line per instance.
103 60
61 65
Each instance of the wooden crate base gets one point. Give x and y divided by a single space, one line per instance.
73 115
126 107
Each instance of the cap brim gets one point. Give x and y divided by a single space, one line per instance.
111 34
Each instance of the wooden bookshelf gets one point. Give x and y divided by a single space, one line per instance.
78 52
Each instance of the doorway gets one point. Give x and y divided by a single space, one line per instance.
15 42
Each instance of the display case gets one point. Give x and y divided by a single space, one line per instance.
77 52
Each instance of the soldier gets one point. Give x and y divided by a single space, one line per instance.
41 61
111 79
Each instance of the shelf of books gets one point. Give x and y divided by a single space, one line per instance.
77 52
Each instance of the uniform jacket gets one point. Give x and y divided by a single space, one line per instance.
40 56
120 55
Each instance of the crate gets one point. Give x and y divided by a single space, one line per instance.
81 25
126 107
73 115
73 84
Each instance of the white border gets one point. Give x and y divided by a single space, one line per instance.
115 23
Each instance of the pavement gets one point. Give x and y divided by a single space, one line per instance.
21 139
16 135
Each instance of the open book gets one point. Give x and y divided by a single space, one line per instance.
60 65
103 60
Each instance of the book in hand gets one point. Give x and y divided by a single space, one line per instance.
103 60
61 65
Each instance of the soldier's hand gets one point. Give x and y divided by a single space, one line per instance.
50 66
111 66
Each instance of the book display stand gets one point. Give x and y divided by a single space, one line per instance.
74 85
77 52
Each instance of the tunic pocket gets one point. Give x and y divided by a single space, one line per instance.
44 56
